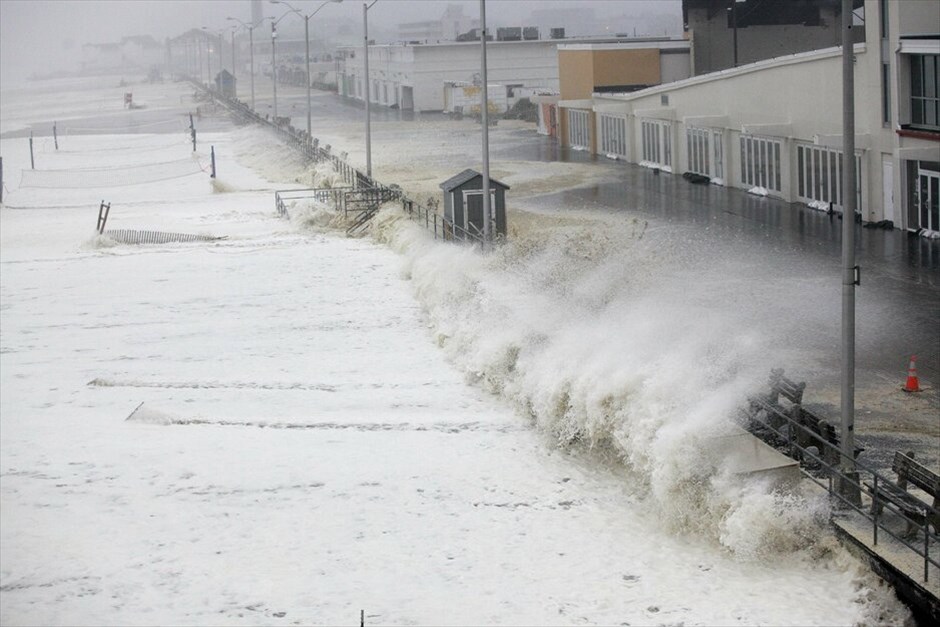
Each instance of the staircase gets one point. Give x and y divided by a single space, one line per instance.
361 205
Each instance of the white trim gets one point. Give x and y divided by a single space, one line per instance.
661 44
757 66
477 192
585 103
708 121
919 46
656 114
862 142
784 129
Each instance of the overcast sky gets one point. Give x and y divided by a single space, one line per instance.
40 36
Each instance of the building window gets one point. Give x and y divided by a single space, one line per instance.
760 162
819 176
885 64
925 91
613 135
579 135
705 152
657 143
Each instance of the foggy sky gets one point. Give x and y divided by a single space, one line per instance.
42 36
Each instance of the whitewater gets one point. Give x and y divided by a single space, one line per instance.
290 426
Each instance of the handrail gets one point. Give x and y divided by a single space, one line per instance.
834 471
353 177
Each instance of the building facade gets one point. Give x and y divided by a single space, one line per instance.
774 127
587 70
729 33
412 76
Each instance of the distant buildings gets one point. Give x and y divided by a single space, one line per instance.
135 52
413 76
450 26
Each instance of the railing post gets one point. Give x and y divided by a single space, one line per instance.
926 547
874 509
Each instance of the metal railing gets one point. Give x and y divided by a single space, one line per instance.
442 227
332 196
826 460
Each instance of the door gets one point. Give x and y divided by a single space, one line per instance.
407 98
928 199
473 217
887 187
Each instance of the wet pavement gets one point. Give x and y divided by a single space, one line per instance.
902 269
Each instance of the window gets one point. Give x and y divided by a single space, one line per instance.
925 91
613 134
885 64
579 135
760 162
819 176
657 143
706 156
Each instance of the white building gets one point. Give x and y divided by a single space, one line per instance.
412 76
447 28
133 52
775 126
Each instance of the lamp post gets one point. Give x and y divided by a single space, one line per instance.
251 54
234 81
306 19
365 48
850 488
484 108
208 60
274 66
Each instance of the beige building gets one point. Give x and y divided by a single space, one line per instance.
589 69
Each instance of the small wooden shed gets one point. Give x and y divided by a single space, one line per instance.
463 201
225 83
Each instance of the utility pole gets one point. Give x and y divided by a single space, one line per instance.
251 54
234 81
274 68
850 273
307 59
484 108
365 80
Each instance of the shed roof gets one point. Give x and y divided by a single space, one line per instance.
467 175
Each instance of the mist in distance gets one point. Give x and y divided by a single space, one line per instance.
43 37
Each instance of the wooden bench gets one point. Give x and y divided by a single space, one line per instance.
782 386
910 471
826 439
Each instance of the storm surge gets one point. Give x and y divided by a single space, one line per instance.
625 340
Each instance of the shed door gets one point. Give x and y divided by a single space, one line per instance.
473 214
473 218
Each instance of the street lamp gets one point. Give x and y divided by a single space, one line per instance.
306 19
484 108
274 66
274 23
234 79
208 60
251 52
365 35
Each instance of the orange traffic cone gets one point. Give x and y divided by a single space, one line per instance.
912 385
